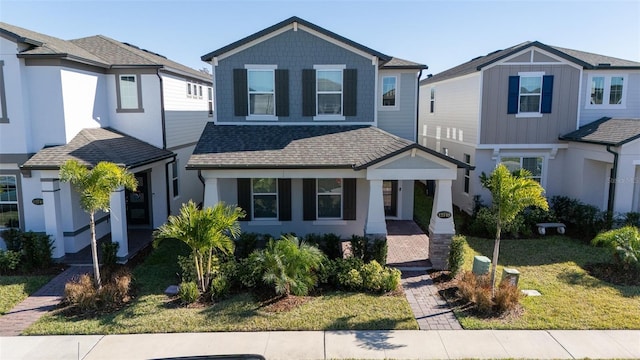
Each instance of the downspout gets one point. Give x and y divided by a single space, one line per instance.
612 183
204 185
164 141
418 107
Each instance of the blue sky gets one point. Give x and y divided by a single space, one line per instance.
441 34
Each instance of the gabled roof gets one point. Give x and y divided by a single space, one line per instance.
96 50
396 63
586 60
91 146
297 147
606 131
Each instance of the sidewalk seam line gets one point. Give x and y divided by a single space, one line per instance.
93 347
324 343
559 343
442 342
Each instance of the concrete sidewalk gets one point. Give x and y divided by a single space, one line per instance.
437 344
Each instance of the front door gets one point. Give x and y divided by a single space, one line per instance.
390 196
138 201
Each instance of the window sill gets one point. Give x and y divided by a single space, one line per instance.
328 118
529 115
129 110
261 118
265 222
330 222
388 108
606 107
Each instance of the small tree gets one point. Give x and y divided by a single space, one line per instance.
511 194
95 187
206 232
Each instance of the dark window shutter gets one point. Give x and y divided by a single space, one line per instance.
308 92
350 96
349 199
547 94
284 199
244 197
308 199
240 92
514 93
282 92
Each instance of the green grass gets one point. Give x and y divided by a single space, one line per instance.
151 312
571 298
14 289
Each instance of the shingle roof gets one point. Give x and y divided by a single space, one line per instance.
385 58
582 58
397 63
91 146
606 131
290 147
97 50
117 53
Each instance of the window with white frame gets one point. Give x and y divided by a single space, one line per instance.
189 92
199 91
9 215
606 91
432 102
530 94
174 178
467 173
265 198
128 92
389 91
210 100
329 198
262 95
532 164
329 91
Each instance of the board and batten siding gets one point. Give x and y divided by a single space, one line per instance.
401 120
456 108
185 117
294 51
498 127
632 99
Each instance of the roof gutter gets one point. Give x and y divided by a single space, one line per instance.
612 182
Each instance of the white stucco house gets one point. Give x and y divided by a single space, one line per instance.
94 99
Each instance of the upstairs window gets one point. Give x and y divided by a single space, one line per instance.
262 95
210 100
606 91
389 91
432 102
329 92
128 92
329 85
530 94
189 92
261 92
199 91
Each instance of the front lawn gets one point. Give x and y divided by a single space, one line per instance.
152 312
571 298
14 289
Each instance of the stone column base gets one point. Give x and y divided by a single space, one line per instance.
439 246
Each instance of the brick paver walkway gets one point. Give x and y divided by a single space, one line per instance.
38 304
409 251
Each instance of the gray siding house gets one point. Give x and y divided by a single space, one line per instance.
544 108
314 133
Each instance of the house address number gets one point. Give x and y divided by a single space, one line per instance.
443 214
37 201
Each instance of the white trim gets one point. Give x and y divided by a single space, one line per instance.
329 222
579 112
328 118
376 85
265 222
261 118
282 173
479 122
606 91
260 66
380 93
330 67
325 121
520 146
529 114
531 74
562 61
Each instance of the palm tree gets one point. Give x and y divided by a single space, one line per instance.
290 265
206 232
95 187
511 193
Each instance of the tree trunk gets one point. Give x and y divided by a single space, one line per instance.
94 251
494 262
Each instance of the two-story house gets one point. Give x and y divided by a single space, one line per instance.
570 117
94 99
315 133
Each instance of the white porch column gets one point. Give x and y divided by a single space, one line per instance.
441 226
375 225
211 192
53 215
118 215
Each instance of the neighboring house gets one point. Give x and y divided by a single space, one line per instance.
314 133
94 99
571 118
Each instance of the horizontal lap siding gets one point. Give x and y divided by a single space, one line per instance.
632 100
295 51
498 127
185 117
400 122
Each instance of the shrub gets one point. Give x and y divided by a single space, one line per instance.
330 244
110 254
187 268
188 292
9 261
367 250
115 290
456 254
351 280
507 296
220 286
477 290
630 218
467 286
359 246
583 221
355 275
372 274
624 243
341 268
246 243
250 271
13 239
81 293
37 249
391 279
483 224
378 251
